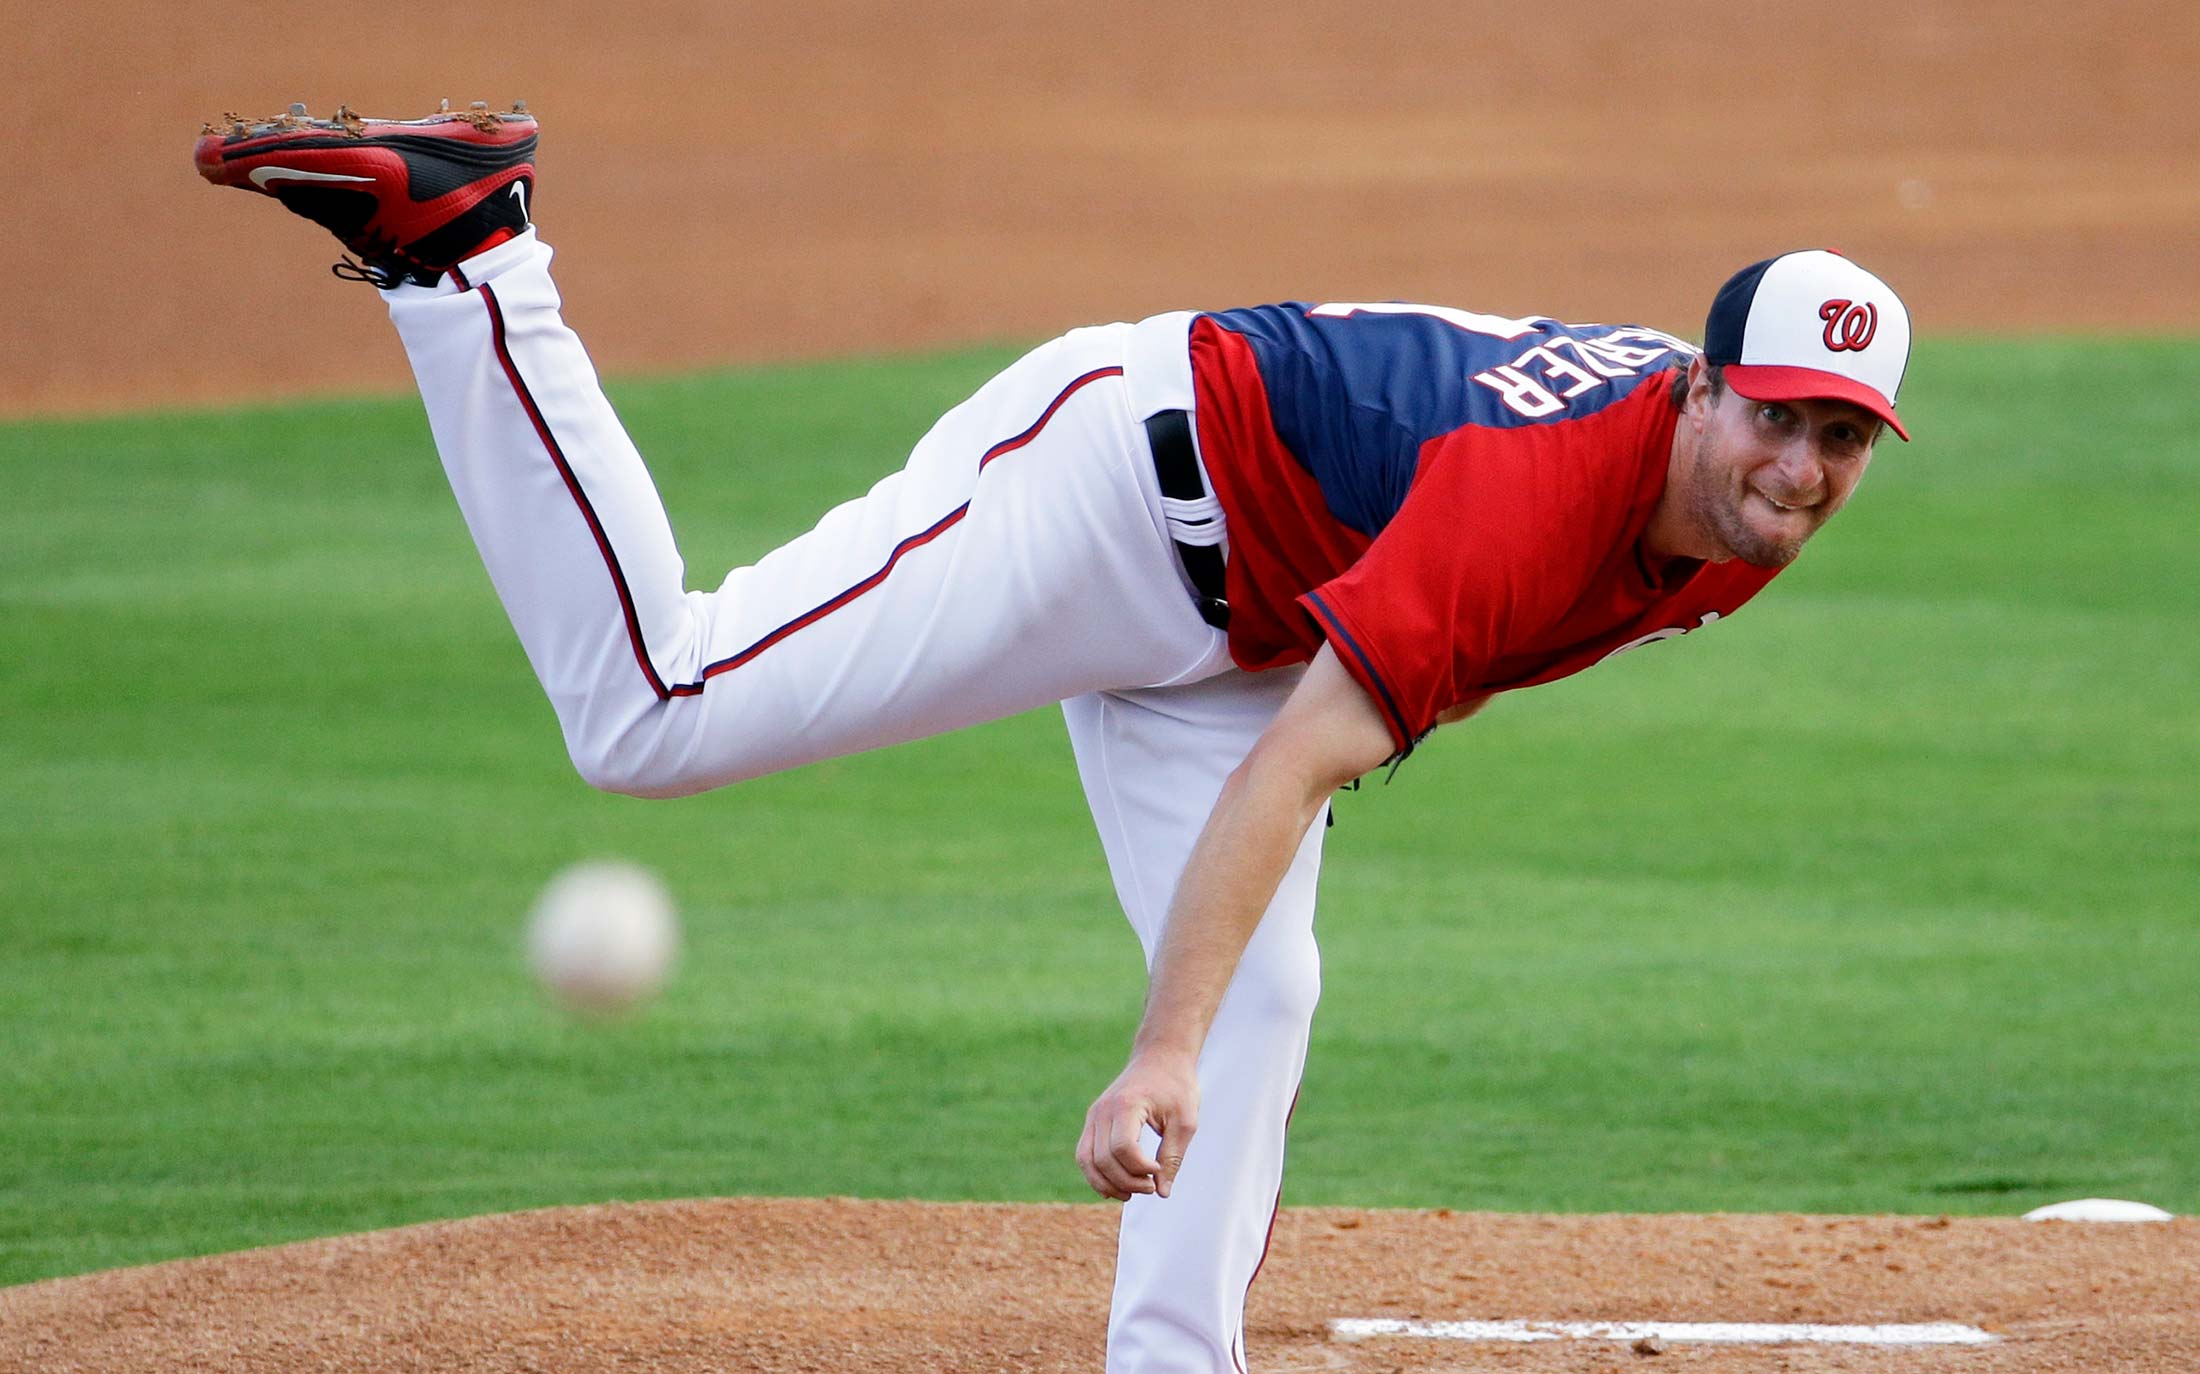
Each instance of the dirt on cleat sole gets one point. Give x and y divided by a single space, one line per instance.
232 126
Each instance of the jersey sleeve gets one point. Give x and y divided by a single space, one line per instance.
1500 533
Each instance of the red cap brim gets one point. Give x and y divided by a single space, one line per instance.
1765 383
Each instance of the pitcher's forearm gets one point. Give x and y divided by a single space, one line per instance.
1327 734
1249 841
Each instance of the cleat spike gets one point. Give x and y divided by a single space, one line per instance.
479 105
444 107
519 107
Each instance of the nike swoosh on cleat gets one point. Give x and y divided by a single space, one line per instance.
261 176
519 193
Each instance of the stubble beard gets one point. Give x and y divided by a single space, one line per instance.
1717 500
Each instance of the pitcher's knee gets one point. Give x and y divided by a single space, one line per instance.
606 772
624 765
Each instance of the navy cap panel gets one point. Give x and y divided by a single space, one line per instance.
1723 328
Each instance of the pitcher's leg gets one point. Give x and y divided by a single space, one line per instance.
1153 763
565 517
1014 561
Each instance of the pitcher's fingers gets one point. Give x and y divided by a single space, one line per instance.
1128 1152
1176 1138
1122 1183
1088 1155
1114 1181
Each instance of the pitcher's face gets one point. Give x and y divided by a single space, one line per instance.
1766 474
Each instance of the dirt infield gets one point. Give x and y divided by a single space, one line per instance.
748 181
847 1287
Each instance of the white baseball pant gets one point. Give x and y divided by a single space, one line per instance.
1021 557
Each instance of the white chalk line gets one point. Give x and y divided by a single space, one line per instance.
1719 1333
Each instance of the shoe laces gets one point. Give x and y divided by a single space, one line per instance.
383 274
374 274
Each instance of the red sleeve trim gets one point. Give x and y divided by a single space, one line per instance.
1362 668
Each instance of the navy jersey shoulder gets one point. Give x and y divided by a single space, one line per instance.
1356 390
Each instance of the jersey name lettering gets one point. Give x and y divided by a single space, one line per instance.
1559 379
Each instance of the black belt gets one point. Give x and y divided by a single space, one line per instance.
1177 465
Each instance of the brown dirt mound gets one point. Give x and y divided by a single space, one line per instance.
846 1286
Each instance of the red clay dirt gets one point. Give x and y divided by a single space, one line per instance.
744 181
893 1287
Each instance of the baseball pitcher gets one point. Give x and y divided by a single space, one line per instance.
1253 553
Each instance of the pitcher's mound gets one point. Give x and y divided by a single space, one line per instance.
846 1286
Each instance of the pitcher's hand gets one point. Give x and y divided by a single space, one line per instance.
1157 1090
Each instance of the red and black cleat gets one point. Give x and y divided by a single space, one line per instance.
411 197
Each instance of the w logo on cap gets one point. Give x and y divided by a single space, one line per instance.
1849 326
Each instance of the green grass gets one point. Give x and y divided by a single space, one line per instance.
1880 898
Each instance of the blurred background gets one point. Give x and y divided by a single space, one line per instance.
748 181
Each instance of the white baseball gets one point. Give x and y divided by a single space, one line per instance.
602 936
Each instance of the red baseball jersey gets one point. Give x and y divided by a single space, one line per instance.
1455 501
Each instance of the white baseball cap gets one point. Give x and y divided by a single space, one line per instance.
1811 325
